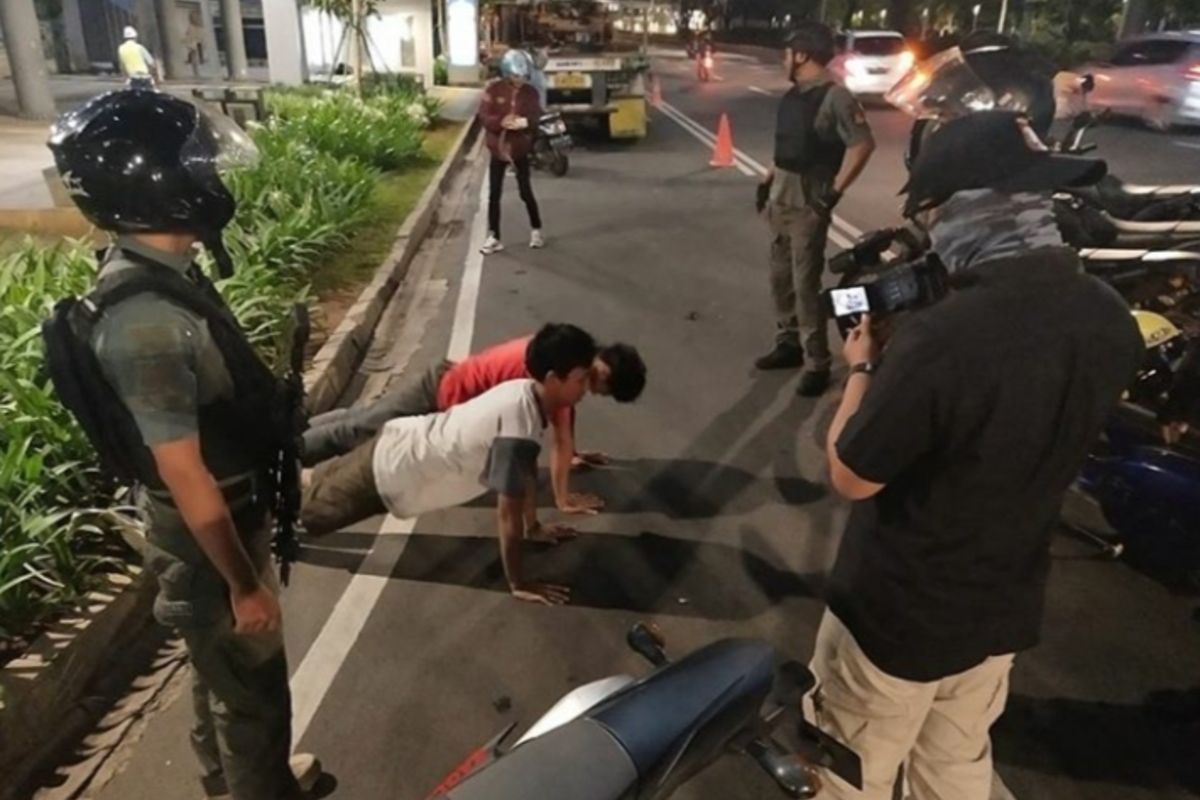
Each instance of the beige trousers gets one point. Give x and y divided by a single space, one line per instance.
938 730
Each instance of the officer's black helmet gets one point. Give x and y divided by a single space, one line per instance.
1018 79
138 160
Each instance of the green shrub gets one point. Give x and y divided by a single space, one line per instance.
298 205
383 129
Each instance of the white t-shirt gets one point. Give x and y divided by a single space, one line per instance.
436 461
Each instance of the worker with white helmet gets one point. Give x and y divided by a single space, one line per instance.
136 61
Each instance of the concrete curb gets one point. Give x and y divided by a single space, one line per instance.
334 364
42 693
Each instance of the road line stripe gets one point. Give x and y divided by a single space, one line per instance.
468 295
341 630
758 90
1188 145
751 168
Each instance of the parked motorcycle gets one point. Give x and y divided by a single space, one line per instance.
625 739
551 145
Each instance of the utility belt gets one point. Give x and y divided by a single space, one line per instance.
251 490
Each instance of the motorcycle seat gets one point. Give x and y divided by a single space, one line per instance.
1132 201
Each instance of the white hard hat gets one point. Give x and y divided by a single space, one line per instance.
130 32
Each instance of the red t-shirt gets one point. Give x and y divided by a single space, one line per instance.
485 370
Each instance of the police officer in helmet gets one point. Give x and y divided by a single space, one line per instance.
822 144
173 363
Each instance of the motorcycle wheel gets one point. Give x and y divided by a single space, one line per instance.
559 164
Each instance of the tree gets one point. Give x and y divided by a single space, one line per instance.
353 15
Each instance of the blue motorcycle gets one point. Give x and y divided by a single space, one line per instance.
1148 494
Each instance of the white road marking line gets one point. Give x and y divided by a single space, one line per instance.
324 659
1188 145
751 168
759 90
468 294
341 630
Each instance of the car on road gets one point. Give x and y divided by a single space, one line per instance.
1155 78
869 63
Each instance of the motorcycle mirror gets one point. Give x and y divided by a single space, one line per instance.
647 641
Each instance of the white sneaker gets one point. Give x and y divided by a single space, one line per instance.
536 241
492 245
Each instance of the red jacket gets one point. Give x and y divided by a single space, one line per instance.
500 99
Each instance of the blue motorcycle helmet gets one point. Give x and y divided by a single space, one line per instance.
516 64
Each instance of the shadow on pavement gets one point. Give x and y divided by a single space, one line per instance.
692 489
647 573
1099 742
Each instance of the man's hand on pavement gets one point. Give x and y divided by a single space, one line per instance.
581 504
549 534
861 345
256 611
546 594
591 458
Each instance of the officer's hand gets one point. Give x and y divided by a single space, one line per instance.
826 202
861 344
257 611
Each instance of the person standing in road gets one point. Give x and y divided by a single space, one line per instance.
175 393
822 145
509 113
957 439
136 61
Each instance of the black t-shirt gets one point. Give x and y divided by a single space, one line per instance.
977 422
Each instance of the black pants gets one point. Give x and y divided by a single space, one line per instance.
496 188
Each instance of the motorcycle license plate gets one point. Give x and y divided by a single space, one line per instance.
571 80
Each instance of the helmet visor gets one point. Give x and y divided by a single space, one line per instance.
942 87
217 143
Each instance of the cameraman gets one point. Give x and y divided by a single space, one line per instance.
958 440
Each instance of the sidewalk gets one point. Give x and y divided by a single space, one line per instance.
23 156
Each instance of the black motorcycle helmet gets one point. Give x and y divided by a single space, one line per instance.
1019 80
139 160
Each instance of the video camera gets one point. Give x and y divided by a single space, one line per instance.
898 288
868 285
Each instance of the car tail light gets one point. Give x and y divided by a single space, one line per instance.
1192 71
907 59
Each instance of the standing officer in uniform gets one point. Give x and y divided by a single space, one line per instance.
191 400
822 144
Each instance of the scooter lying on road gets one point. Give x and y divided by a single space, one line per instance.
626 739
551 145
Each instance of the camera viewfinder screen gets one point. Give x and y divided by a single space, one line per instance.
849 301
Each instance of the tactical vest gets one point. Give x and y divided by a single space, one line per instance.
798 146
238 435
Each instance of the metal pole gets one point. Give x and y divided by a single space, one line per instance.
172 43
1003 15
23 40
211 64
235 43
356 43
73 30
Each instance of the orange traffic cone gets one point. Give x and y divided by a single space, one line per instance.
655 92
723 152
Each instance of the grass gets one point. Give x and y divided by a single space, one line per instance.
393 199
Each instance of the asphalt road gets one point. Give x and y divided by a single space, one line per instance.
407 651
